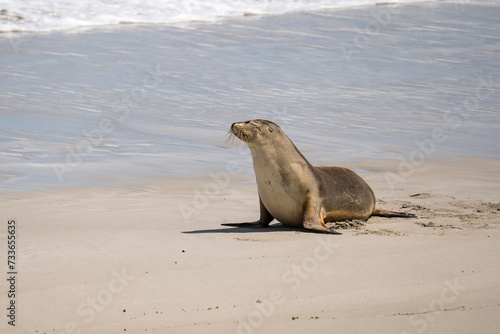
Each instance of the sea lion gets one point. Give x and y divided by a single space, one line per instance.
296 193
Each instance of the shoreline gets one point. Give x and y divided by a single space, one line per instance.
393 171
213 19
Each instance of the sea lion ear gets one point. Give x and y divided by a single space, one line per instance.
270 129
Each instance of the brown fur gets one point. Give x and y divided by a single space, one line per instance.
295 192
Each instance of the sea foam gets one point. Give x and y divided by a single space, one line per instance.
43 16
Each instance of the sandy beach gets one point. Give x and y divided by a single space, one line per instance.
109 260
118 218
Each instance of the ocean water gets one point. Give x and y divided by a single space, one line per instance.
42 15
110 104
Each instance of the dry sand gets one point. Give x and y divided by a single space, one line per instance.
129 259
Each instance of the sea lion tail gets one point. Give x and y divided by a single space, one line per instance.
388 213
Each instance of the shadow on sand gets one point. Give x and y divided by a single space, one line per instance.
271 228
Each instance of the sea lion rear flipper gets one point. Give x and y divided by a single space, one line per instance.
390 214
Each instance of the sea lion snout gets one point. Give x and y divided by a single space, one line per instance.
238 130
235 125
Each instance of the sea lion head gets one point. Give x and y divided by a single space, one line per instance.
255 131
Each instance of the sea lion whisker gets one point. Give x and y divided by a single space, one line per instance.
230 137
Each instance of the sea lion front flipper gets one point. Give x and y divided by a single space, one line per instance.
265 216
257 224
265 219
